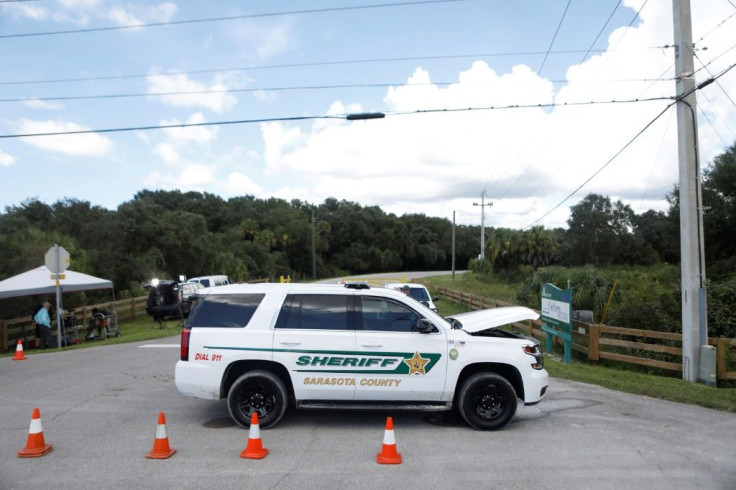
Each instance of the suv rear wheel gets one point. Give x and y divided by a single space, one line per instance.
259 392
487 401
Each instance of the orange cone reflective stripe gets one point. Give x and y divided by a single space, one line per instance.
36 445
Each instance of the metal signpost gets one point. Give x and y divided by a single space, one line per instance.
557 317
57 261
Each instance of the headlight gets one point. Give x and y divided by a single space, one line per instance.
534 351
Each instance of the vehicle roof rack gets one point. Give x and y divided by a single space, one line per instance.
357 285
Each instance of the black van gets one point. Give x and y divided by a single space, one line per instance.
170 299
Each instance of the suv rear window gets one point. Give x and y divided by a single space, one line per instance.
317 312
224 310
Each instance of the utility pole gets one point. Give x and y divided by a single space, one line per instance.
483 205
314 251
692 260
453 247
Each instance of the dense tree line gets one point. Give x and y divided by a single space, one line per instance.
170 233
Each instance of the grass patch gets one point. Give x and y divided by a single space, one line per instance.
469 282
132 330
621 379
662 387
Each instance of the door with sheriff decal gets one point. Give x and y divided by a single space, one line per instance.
404 364
315 339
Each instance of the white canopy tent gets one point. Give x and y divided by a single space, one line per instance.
39 281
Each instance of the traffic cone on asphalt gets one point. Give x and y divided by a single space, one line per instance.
161 449
254 449
36 446
388 454
19 356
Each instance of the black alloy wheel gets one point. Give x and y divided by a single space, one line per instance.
487 401
260 392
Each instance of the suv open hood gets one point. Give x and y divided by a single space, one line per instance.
477 321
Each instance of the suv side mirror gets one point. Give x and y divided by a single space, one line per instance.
425 326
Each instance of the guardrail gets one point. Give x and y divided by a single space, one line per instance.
628 345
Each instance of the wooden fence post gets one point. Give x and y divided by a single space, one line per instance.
4 327
721 350
593 334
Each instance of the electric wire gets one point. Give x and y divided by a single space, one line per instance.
710 123
601 31
220 91
539 72
654 164
239 90
716 81
633 19
329 116
600 169
287 65
220 19
647 126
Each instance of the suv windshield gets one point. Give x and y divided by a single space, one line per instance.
419 294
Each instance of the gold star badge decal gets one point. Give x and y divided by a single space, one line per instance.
416 364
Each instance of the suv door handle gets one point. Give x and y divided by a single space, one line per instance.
290 342
371 345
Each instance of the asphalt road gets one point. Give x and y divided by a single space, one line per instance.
99 409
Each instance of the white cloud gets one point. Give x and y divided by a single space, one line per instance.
84 145
240 184
6 159
199 135
136 14
219 100
528 160
191 177
23 10
264 40
78 4
167 153
41 104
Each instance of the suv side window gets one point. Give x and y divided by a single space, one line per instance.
317 312
224 310
386 315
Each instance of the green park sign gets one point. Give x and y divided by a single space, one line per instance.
557 316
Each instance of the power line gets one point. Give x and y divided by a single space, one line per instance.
539 72
221 91
252 89
601 31
680 97
233 17
600 169
335 116
716 81
289 65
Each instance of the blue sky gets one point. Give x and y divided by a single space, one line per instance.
420 56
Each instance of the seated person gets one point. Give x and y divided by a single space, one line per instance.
98 321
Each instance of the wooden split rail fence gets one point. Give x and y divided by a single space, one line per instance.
22 328
628 345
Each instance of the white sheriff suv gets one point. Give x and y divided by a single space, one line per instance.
268 346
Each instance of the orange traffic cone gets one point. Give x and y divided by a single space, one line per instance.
388 454
36 446
19 356
161 449
254 449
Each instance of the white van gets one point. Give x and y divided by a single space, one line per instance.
416 291
211 281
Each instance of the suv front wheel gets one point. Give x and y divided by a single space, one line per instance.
487 401
259 392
